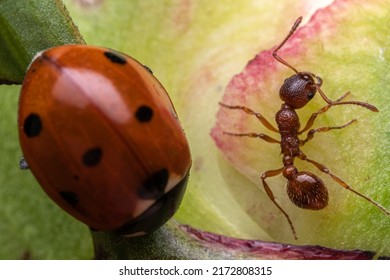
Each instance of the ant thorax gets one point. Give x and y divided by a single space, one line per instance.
288 125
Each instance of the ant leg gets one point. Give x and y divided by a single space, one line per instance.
310 134
249 111
324 169
272 173
312 118
23 165
254 135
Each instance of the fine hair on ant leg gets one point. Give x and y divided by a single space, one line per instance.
305 189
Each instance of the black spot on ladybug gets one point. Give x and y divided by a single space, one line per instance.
147 69
92 157
154 186
32 125
144 113
115 57
156 215
70 197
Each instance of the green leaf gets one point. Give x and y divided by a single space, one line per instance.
28 27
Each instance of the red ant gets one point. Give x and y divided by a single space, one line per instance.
304 189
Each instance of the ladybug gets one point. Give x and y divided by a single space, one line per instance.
101 136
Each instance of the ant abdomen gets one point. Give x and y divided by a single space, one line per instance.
307 191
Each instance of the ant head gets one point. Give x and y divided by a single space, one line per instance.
299 89
307 191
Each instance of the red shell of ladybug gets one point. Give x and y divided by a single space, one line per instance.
101 136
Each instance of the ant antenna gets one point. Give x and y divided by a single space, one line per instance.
332 103
274 53
319 80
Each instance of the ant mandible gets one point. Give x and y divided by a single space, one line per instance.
304 189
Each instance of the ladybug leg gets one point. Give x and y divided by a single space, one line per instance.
311 132
249 111
23 165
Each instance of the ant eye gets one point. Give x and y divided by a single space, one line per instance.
311 95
